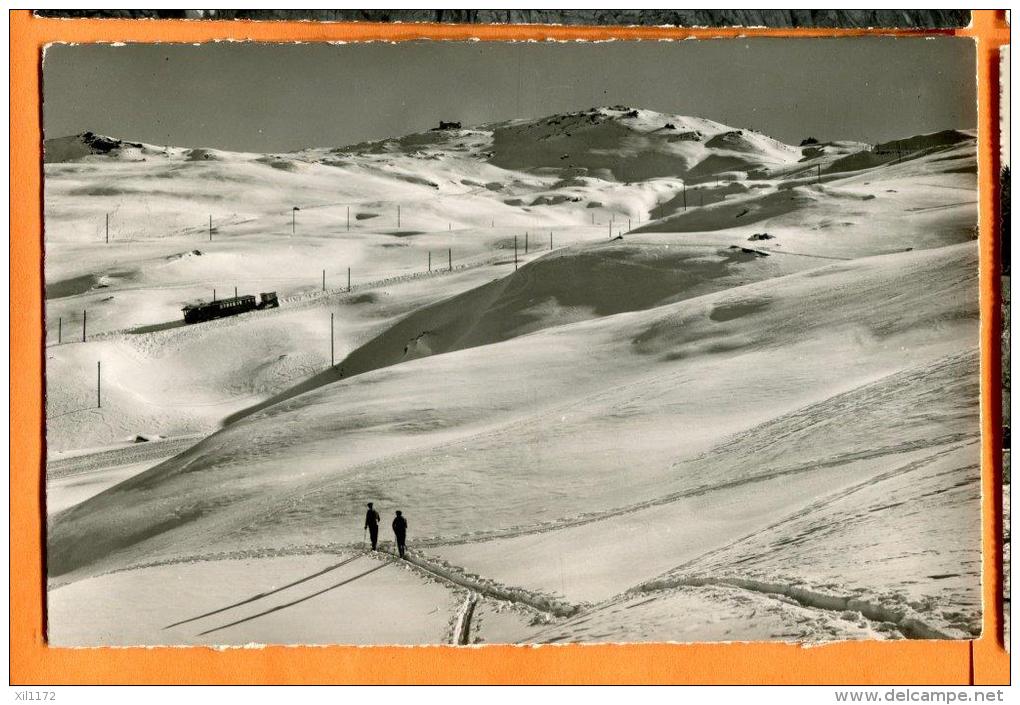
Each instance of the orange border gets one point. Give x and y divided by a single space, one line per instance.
33 662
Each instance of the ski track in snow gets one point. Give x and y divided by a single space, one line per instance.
911 625
462 631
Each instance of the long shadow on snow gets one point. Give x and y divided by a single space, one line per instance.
295 602
262 595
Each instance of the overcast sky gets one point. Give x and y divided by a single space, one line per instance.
281 97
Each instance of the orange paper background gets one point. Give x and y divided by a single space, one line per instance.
982 661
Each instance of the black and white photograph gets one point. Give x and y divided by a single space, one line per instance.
469 343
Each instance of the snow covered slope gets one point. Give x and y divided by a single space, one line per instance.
767 373
635 145
403 431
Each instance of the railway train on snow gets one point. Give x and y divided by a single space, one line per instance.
196 313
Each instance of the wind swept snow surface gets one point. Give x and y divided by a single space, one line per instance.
755 416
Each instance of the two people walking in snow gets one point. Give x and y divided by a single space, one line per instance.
372 520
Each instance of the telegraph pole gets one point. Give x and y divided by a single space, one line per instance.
210 228
214 294
348 280
685 196
515 253
398 216
84 320
525 243
60 330
332 361
550 239
449 258
323 280
99 385
430 260
107 228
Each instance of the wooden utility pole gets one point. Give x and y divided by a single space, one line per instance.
818 180
84 320
60 330
99 385
398 216
324 280
685 196
214 294
210 228
107 228
515 253
430 260
235 292
550 239
348 280
628 224
332 362
525 243
449 258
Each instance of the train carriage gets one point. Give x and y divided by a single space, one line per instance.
207 311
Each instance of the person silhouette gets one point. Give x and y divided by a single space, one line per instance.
372 524
400 531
